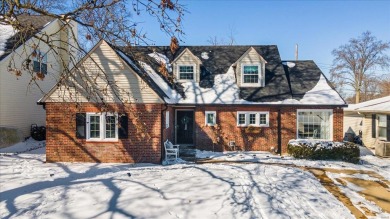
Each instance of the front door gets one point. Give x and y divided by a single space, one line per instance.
185 127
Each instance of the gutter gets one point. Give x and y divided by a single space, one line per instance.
43 104
256 105
162 132
279 133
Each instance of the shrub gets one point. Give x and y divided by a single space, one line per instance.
324 150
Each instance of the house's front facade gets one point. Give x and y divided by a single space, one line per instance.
18 92
370 120
203 97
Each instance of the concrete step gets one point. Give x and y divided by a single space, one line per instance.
187 152
189 159
187 147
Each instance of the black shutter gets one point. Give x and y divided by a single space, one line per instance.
373 126
44 68
81 125
123 126
388 128
37 66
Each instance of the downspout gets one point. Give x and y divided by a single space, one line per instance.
279 133
162 132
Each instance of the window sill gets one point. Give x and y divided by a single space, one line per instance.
250 85
254 126
186 80
102 140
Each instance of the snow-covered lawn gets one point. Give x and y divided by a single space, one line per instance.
31 188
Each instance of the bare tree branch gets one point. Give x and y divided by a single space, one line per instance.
355 64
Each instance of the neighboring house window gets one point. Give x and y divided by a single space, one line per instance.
211 118
259 119
186 72
166 119
102 126
251 75
314 124
382 126
39 62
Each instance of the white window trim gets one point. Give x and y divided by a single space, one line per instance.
178 72
317 110
214 120
102 127
166 119
260 69
257 124
377 127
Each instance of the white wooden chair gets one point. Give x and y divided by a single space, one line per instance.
171 151
232 145
173 146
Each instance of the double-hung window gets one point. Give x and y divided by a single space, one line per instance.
39 62
102 126
259 119
251 75
211 118
186 72
314 124
382 126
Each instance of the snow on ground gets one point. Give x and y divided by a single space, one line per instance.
6 32
30 146
368 161
31 188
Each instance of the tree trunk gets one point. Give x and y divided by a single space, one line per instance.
357 96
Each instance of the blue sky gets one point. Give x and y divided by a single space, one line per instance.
317 27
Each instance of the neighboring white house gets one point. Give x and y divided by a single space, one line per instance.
371 118
18 96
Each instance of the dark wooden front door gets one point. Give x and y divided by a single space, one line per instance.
184 127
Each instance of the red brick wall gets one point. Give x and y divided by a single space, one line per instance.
62 144
262 138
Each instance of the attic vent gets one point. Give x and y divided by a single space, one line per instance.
205 55
289 64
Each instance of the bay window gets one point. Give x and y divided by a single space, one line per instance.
314 124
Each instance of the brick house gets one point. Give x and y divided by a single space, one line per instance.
201 97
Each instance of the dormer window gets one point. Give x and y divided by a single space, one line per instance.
186 72
251 75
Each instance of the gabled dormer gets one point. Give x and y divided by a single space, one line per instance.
186 67
250 69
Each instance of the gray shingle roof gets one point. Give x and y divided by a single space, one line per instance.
219 61
281 82
36 21
303 77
